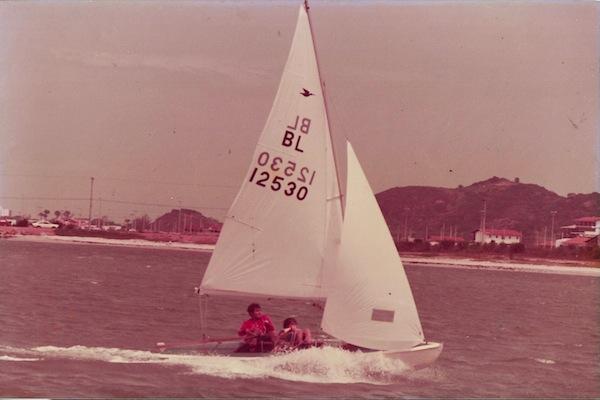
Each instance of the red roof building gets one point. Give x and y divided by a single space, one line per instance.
588 219
579 241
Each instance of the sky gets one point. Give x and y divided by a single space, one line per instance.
163 102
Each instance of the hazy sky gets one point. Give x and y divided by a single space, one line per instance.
163 102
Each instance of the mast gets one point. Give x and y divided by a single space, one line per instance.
337 174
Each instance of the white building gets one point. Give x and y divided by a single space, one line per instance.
5 212
507 236
578 241
583 233
437 240
588 226
112 227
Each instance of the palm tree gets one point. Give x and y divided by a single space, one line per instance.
57 214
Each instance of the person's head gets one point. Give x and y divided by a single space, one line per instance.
254 310
288 322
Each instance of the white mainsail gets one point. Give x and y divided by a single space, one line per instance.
371 304
281 230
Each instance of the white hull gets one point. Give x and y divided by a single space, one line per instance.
418 357
415 358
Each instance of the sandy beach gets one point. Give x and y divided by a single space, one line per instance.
551 267
114 242
566 267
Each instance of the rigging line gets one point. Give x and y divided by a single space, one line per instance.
109 201
170 183
120 179
160 204
45 198
203 315
335 163
46 176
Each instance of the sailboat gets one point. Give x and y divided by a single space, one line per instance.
289 235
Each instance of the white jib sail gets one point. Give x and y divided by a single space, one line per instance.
275 238
371 304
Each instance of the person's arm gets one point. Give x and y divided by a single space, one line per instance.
269 324
243 329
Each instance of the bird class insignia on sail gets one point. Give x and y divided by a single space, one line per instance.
306 92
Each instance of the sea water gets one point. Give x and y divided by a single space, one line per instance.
83 320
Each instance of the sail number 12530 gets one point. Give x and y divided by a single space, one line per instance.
270 176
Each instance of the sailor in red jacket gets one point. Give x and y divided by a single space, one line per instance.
258 332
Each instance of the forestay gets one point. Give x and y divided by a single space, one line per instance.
371 304
280 231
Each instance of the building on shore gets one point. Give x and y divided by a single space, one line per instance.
81 223
579 241
5 212
584 232
589 226
507 236
437 240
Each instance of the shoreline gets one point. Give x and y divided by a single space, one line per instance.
566 267
139 243
465 263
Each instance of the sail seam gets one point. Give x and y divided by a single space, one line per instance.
232 218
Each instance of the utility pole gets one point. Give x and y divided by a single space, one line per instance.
545 236
100 220
179 220
483 218
552 243
91 200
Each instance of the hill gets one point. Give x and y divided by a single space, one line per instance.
510 204
185 220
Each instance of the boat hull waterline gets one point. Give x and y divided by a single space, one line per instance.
416 357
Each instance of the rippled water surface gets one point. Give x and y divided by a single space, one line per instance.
82 321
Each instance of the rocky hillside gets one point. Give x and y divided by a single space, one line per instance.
510 204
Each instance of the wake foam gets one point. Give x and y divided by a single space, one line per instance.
9 353
544 361
12 358
315 365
